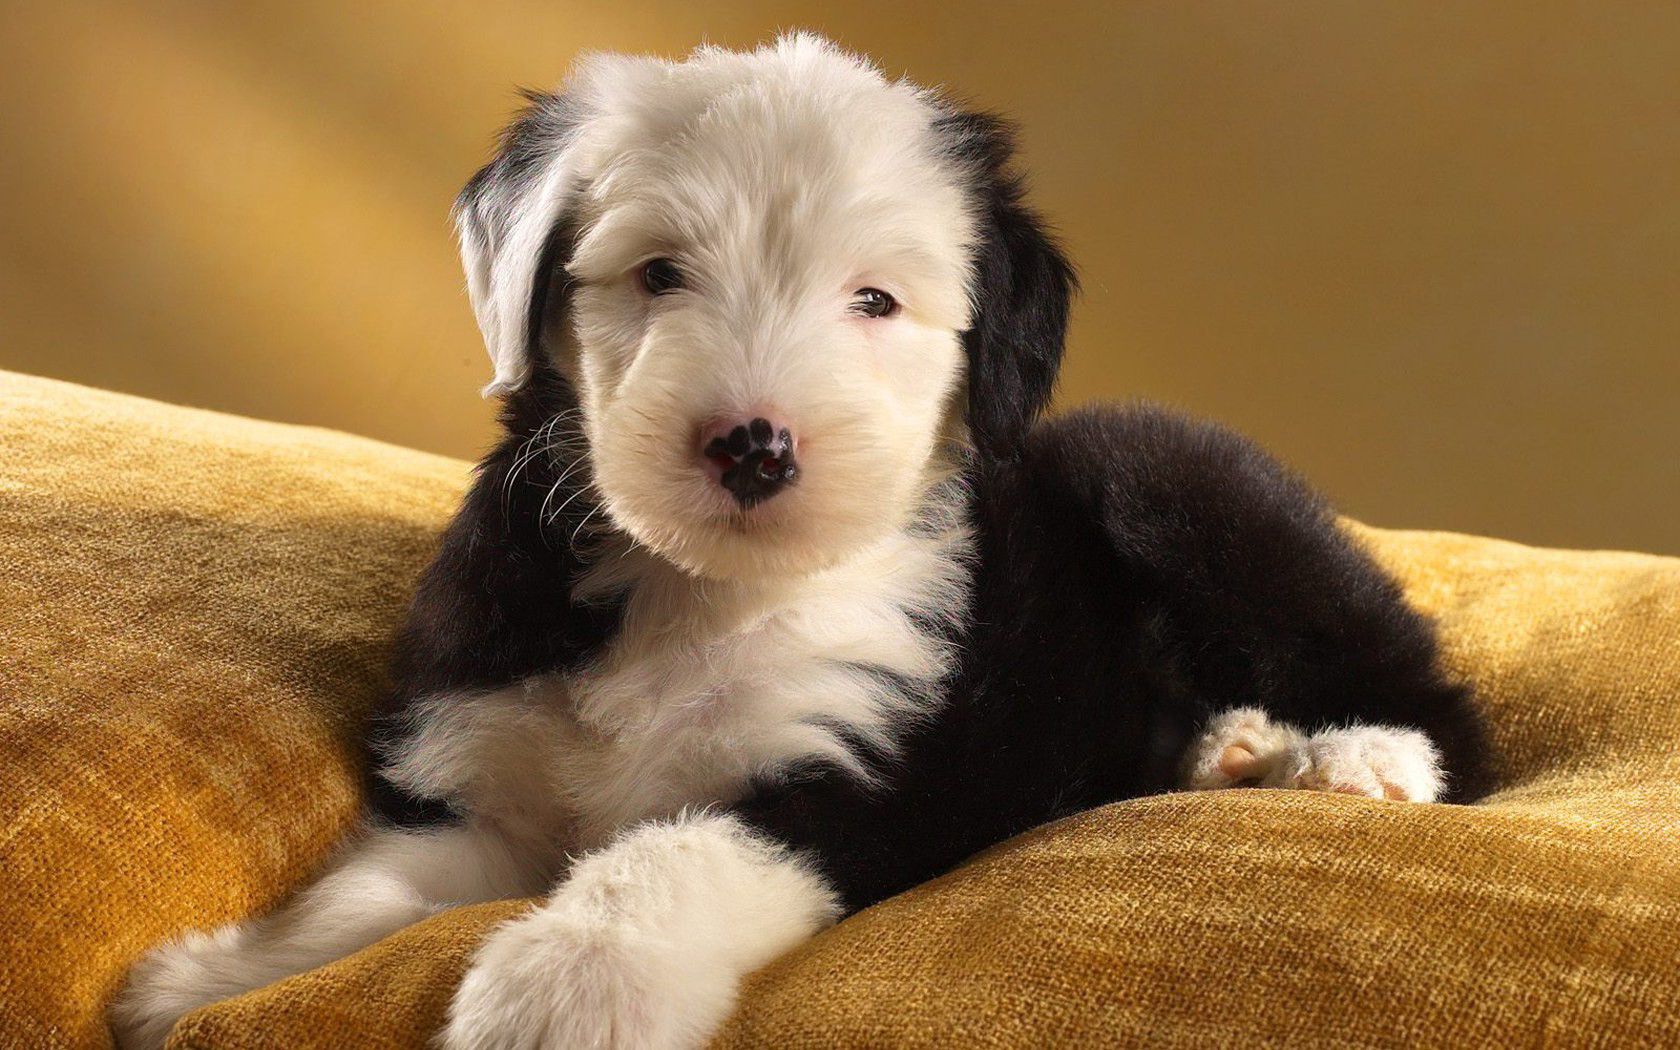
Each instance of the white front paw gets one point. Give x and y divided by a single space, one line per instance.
547 982
643 947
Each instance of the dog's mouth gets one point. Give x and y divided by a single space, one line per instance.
729 503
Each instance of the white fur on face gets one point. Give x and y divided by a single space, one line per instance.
780 182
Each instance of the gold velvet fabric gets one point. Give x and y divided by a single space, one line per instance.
195 613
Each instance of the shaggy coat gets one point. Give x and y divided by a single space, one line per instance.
703 728
1135 573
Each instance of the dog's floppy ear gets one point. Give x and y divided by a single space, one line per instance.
1020 286
510 221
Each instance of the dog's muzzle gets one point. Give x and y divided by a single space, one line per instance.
755 459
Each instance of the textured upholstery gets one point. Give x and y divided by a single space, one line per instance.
194 614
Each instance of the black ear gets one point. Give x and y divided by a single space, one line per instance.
514 234
1020 286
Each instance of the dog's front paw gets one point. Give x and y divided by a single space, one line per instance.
169 982
643 946
546 982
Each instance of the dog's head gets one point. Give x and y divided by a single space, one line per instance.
783 287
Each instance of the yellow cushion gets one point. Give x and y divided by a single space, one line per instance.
195 612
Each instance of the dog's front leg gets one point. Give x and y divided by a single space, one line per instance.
643 945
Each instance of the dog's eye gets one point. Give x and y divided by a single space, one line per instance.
660 276
872 302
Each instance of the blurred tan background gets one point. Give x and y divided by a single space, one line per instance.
1428 252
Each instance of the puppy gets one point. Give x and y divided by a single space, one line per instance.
776 599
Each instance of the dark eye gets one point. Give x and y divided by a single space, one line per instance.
872 302
660 276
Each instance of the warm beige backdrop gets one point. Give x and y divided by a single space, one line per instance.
1429 252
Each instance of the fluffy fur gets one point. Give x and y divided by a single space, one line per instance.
641 947
707 729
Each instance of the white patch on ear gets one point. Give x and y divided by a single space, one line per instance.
501 261
1243 747
643 946
504 217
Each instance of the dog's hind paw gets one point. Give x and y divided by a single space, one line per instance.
1244 748
1239 748
1375 761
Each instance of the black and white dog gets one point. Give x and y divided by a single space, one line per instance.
776 600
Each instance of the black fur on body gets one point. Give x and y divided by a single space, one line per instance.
1138 572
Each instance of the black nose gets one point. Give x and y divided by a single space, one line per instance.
756 460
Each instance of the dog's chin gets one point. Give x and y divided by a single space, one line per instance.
781 538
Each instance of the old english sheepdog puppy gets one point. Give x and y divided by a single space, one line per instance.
776 599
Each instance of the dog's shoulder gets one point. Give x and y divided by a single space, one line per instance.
497 604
